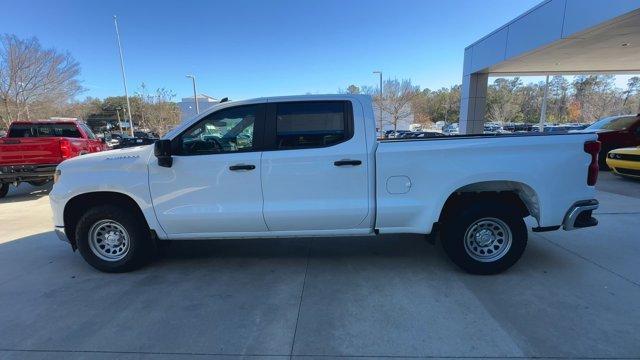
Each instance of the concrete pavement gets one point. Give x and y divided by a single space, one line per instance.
573 295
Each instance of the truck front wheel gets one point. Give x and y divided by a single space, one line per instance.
113 239
485 238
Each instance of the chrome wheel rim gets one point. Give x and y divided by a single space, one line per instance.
487 239
109 240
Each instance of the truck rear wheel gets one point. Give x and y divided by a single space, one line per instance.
4 189
113 239
485 238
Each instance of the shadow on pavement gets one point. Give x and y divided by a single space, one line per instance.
392 249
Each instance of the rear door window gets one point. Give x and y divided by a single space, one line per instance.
311 124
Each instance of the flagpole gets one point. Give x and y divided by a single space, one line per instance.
124 77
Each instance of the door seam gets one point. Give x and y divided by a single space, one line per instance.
264 219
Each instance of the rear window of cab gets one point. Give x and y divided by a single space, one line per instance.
43 130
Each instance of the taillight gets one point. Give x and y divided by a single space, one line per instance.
592 148
65 148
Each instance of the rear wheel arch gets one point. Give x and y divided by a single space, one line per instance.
78 205
510 193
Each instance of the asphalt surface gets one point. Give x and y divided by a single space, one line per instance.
609 182
573 295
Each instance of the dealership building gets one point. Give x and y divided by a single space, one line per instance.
556 37
188 105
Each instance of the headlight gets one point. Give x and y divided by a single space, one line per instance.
612 155
56 175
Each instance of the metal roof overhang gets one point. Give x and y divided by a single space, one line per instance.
562 37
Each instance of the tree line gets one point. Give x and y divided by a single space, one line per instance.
39 83
583 100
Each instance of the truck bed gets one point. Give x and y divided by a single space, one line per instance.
555 165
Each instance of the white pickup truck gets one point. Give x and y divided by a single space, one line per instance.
311 166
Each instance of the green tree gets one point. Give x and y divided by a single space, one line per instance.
558 99
633 90
352 89
503 100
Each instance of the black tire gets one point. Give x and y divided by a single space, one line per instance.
140 248
39 182
481 214
4 189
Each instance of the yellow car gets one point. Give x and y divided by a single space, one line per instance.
625 161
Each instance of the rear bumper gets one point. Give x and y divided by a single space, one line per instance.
13 173
580 215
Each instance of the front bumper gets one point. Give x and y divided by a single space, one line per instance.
624 167
580 215
59 230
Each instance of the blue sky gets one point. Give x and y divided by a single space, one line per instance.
243 49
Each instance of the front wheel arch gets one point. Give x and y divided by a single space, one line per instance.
78 205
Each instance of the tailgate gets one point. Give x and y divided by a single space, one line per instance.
31 151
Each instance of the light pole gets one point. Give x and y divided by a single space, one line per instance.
380 105
195 94
124 77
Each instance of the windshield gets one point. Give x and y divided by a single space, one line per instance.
613 123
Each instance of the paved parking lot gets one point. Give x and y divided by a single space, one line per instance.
573 295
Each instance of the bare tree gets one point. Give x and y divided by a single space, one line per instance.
352 89
633 87
396 100
31 75
158 112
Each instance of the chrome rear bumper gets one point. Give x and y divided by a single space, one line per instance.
580 215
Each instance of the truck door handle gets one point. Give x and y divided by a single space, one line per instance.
347 163
241 167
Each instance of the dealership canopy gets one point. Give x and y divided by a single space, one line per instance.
555 37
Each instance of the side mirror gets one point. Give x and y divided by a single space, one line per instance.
162 150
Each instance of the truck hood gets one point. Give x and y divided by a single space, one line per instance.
122 158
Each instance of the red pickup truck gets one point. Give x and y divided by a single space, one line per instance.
31 150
